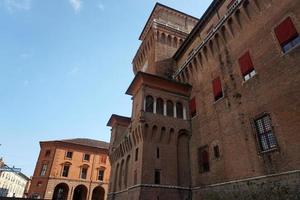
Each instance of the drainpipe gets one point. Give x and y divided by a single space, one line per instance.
91 177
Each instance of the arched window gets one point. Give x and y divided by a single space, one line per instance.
179 110
149 103
160 106
170 108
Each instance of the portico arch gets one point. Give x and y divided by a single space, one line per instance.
98 193
80 192
61 192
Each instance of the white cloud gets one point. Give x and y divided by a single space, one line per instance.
76 4
101 6
17 5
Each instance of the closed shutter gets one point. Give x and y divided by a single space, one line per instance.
246 64
286 31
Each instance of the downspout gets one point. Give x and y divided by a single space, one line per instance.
91 177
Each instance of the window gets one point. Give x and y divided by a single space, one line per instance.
86 157
217 88
157 176
160 106
83 172
203 159
179 110
265 135
170 108
48 152
246 66
101 175
103 159
136 154
157 152
216 151
287 35
39 183
69 154
44 169
149 103
192 106
65 171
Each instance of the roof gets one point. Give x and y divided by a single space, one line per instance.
120 119
85 142
208 13
142 78
166 7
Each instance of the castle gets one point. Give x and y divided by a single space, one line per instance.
215 106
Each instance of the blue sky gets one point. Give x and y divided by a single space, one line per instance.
64 68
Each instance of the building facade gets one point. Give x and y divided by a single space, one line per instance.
215 111
12 181
75 169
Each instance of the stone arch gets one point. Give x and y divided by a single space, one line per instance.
61 192
126 171
183 158
211 47
179 110
98 193
170 108
171 135
237 15
175 42
224 34
169 40
162 134
149 105
230 26
121 175
154 132
116 177
146 131
80 192
163 38
160 106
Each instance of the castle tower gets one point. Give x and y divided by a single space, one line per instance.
162 35
150 151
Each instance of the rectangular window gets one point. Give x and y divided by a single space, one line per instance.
48 152
216 151
157 176
44 169
69 154
157 152
265 135
203 159
287 35
103 159
136 154
83 173
101 175
246 66
192 106
65 171
86 157
217 88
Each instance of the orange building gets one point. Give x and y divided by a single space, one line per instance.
71 169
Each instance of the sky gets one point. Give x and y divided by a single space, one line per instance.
64 68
